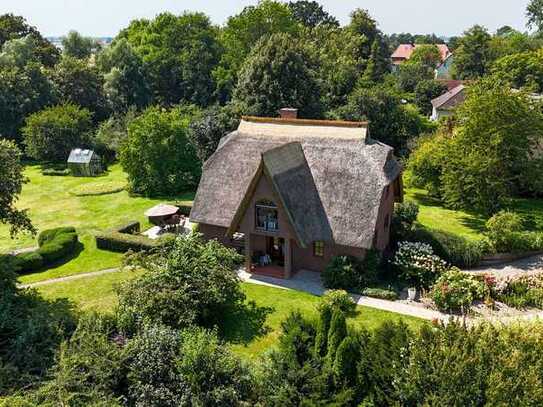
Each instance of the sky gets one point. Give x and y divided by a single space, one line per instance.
107 17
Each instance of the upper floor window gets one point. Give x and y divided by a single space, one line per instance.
267 216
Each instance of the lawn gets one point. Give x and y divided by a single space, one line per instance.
97 293
51 203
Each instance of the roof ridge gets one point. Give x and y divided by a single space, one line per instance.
306 122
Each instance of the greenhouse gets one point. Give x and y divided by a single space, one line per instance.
84 163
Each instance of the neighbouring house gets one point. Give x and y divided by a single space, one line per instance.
443 71
84 163
445 104
404 52
298 192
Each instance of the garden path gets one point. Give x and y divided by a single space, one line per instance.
69 278
529 265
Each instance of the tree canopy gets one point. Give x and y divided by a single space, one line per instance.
76 46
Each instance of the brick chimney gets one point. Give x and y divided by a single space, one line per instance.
288 113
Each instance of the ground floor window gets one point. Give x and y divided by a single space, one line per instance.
318 249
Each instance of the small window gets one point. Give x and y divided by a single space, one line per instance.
318 249
387 221
266 216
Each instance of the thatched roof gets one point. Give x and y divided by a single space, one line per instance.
330 178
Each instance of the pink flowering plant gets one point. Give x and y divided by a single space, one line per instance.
520 291
417 264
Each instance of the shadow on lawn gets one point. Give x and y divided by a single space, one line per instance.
246 323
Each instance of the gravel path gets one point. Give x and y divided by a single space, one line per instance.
529 265
69 278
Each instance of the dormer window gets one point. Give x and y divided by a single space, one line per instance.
266 216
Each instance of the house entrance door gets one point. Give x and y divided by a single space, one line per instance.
275 248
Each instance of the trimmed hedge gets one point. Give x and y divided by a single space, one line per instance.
184 209
56 173
54 244
130 228
123 242
381 294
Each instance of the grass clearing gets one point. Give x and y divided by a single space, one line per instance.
51 203
97 293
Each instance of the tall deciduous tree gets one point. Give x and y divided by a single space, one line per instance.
242 32
280 72
13 27
78 82
427 55
158 155
534 12
180 53
50 135
521 70
11 184
379 63
76 46
364 25
473 56
19 52
311 14
126 80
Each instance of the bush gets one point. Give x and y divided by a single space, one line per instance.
123 242
351 273
381 293
521 291
130 228
57 243
417 264
187 282
185 209
502 229
28 262
337 300
403 219
455 290
456 250
55 173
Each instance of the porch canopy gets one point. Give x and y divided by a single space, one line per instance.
159 213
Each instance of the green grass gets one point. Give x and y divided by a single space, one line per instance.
51 203
470 225
433 215
97 293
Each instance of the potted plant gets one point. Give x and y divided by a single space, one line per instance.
412 293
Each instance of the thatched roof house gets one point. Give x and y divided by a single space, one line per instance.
301 191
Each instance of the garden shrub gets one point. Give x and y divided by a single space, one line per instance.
380 293
351 273
337 300
521 291
501 230
123 242
131 228
403 220
28 262
56 244
185 209
455 290
188 282
456 250
417 264
55 172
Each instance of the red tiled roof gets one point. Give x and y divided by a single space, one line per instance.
404 51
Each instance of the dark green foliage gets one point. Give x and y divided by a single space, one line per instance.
77 82
188 282
12 27
337 300
56 244
52 133
23 90
473 57
455 291
185 209
344 367
351 273
76 46
111 134
165 134
30 330
179 54
323 326
378 64
122 242
521 70
425 92
130 228
534 12
28 262
279 72
403 220
390 121
411 75
311 14
336 334
11 184
215 123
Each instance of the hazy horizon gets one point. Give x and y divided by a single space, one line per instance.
104 18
